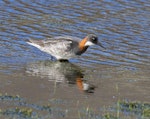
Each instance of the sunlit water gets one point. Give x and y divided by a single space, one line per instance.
123 27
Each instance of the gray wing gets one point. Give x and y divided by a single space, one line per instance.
56 44
61 43
62 38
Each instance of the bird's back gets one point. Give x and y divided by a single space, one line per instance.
61 47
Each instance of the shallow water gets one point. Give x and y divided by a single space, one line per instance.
88 85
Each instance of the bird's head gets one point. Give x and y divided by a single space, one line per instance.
89 40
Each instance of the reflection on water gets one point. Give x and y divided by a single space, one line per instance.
60 72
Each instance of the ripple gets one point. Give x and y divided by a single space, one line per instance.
122 26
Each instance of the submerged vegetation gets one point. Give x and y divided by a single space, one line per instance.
137 108
17 107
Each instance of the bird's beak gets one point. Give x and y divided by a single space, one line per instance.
99 44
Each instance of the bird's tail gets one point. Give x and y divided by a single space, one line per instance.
34 43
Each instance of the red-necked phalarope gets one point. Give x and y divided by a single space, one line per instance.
65 47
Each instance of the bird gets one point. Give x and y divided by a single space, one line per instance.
64 48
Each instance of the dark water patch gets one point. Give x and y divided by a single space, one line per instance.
10 97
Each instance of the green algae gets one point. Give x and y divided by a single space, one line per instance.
20 108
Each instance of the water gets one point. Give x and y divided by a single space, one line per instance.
99 78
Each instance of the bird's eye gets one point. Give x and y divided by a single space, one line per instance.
94 39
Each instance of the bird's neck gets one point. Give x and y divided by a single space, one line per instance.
82 44
82 47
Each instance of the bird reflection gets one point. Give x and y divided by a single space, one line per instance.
60 72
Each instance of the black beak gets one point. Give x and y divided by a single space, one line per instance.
99 44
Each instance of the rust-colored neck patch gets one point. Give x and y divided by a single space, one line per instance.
79 83
82 44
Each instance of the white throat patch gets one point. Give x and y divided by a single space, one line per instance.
89 43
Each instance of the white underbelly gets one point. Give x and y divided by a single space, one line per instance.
60 54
